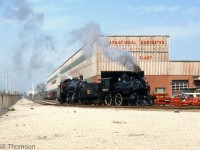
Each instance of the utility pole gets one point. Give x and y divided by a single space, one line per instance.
7 82
10 86
33 90
6 78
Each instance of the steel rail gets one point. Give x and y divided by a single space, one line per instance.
56 103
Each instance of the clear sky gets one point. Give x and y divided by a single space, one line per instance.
34 34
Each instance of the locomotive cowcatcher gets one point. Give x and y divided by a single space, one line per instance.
116 87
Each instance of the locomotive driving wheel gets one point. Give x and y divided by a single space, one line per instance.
79 99
118 99
139 103
108 99
131 102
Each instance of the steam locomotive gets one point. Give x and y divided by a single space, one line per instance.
116 88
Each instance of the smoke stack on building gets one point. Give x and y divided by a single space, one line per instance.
32 92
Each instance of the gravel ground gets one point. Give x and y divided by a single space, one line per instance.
53 127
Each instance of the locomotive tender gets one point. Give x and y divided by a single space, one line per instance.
116 87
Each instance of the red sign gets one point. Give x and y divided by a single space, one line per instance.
145 57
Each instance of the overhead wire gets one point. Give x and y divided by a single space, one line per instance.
6 11
2 5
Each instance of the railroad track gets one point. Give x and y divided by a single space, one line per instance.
56 103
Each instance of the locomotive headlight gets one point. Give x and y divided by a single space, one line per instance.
89 92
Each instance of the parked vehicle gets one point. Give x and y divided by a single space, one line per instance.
178 100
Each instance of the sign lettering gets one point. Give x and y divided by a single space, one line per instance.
144 42
145 57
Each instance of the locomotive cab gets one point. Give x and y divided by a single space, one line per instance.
106 84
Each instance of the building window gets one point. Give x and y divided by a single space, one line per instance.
160 90
179 85
198 95
197 83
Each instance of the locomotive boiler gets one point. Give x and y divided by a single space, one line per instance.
116 87
77 91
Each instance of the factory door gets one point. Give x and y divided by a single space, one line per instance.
178 86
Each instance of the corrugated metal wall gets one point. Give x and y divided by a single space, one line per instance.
104 64
184 68
87 68
75 66
152 67
171 68
155 68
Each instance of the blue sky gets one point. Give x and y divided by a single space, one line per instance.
25 23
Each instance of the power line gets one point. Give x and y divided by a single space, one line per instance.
6 10
2 5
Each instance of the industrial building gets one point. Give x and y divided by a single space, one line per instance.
151 53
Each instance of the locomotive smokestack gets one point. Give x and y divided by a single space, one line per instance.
81 77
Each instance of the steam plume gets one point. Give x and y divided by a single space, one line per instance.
33 42
125 58
86 36
89 37
64 76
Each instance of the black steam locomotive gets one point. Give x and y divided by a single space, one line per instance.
116 87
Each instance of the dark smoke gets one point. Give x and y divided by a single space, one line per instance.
21 10
125 58
86 36
18 56
34 44
89 37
